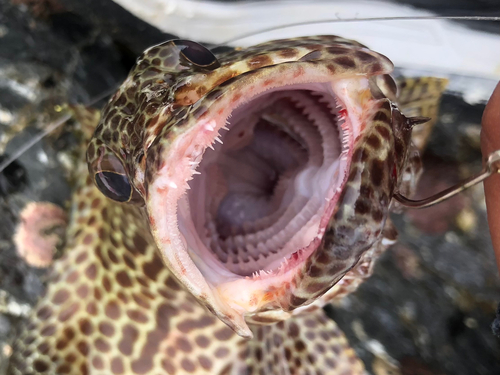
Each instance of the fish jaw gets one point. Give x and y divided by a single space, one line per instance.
153 136
230 295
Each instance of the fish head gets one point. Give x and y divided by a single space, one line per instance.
266 173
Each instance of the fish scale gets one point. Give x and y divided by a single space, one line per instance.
112 306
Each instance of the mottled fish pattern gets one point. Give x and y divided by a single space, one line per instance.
113 307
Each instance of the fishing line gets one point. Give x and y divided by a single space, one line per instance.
53 126
25 147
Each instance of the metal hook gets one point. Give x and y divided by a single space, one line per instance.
491 166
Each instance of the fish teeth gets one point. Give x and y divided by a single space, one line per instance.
284 262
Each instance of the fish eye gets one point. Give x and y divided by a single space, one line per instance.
111 179
114 185
196 54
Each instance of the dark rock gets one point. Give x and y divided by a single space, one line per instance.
495 326
12 178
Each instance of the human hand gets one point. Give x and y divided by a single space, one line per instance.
490 141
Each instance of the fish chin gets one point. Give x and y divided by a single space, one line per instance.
243 197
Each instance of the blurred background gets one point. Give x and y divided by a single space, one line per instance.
429 306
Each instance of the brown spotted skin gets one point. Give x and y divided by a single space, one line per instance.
112 307
361 211
163 98
417 97
310 344
160 100
401 168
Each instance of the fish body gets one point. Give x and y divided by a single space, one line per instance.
112 307
289 211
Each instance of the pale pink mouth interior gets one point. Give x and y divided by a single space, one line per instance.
261 196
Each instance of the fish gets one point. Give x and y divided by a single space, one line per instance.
229 197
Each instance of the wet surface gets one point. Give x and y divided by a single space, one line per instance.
429 306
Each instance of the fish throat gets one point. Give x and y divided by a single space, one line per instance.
260 197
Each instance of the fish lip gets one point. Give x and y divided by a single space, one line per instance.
162 202
183 268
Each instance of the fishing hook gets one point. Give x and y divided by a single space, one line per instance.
491 167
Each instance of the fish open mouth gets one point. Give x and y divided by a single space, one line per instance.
258 197
244 196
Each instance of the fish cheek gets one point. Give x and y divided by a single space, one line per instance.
362 208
